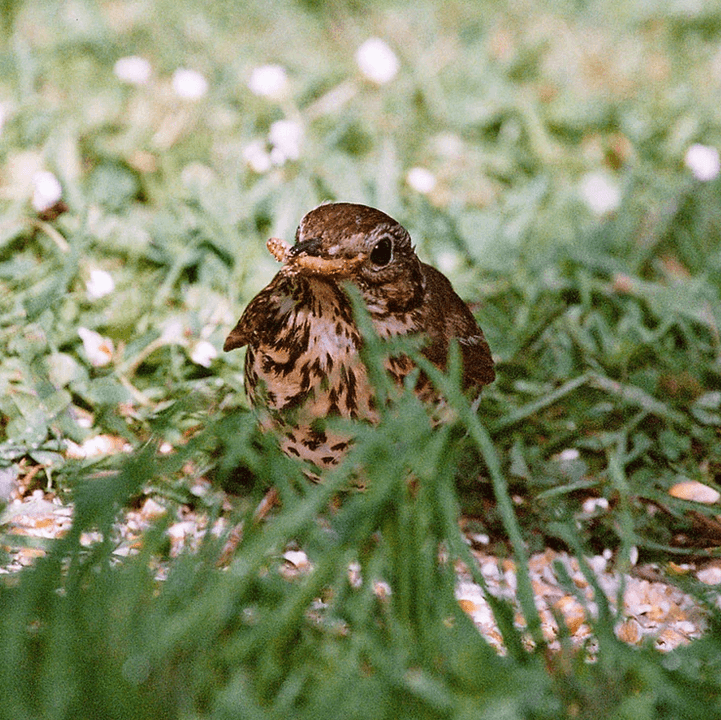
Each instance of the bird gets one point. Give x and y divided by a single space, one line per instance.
302 361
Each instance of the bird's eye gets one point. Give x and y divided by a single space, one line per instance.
382 253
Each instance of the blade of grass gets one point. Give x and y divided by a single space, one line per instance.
522 413
482 439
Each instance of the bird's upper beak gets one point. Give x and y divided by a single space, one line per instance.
308 258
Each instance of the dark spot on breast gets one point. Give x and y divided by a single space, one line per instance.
268 365
351 386
315 440
333 408
304 378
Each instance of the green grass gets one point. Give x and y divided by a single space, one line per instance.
605 328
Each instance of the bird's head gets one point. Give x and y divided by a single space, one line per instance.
362 245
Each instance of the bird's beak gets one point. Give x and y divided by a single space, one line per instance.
310 247
307 258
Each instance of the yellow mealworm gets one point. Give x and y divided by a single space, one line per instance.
278 248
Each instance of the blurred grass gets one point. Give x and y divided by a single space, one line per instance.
604 324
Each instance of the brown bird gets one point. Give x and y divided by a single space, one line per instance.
302 362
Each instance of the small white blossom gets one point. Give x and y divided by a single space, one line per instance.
447 261
203 353
421 180
172 332
448 145
257 156
99 284
591 505
46 190
600 192
132 69
377 61
703 161
286 136
189 84
569 455
3 117
269 81
99 349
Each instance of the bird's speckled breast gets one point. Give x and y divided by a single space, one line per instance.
304 365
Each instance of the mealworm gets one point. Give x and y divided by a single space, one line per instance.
279 249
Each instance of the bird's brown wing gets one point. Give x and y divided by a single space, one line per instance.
241 334
477 361
255 322
453 319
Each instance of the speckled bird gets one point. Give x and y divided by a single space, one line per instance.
302 363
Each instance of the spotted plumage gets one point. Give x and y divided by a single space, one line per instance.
302 361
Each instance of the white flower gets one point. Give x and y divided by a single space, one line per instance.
98 349
600 192
568 455
3 117
377 61
172 331
257 156
46 190
421 180
189 84
703 161
269 81
132 69
594 504
448 145
447 261
286 136
203 353
99 284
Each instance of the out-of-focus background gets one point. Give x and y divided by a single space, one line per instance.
558 161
